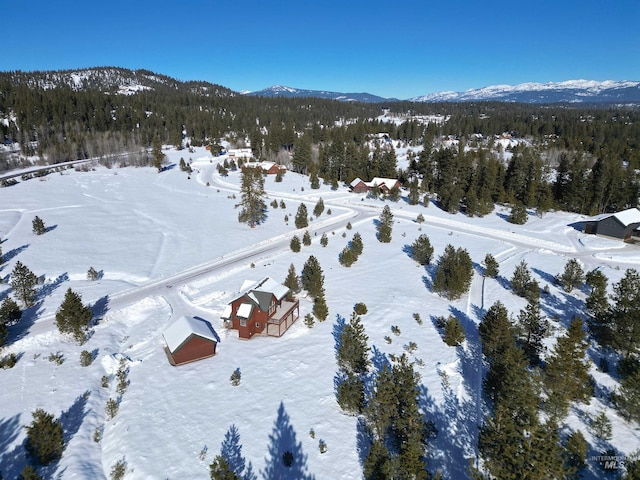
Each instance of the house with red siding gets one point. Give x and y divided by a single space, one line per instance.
262 308
359 186
189 339
384 185
268 168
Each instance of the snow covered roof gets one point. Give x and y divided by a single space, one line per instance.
379 181
626 217
244 310
260 294
226 313
183 327
269 285
356 182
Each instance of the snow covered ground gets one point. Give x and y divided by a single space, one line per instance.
169 246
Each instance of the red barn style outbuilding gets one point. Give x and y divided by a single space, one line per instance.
189 339
263 308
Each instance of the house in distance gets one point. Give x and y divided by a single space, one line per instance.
268 168
621 225
262 308
384 185
189 339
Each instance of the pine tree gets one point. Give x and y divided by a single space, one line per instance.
314 179
350 393
45 438
306 238
601 426
453 332
521 279
572 276
324 240
352 353
73 317
533 329
518 214
627 398
253 207
566 376
396 421
292 282
491 266
414 193
319 208
38 226
576 447
23 282
378 464
421 250
513 443
385 225
302 154
347 257
454 273
157 154
10 312
301 220
29 472
295 244
505 372
356 244
221 470
597 306
312 277
93 274
496 331
624 313
320 309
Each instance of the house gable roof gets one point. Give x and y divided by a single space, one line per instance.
259 293
379 181
183 327
625 217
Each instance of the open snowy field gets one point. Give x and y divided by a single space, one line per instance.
168 245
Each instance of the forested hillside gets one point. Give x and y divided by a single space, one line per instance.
566 151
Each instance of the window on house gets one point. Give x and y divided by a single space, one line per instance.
243 322
257 324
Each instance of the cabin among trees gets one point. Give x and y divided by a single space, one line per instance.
189 339
384 185
262 308
621 225
268 168
240 153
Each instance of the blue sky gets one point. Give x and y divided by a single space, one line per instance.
393 49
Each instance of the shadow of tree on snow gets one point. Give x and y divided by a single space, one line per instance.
99 309
11 461
14 252
49 287
231 451
72 419
21 328
283 440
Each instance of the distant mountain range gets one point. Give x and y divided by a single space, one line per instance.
572 91
128 82
288 92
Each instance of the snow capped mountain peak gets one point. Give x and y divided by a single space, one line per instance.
282 88
550 92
